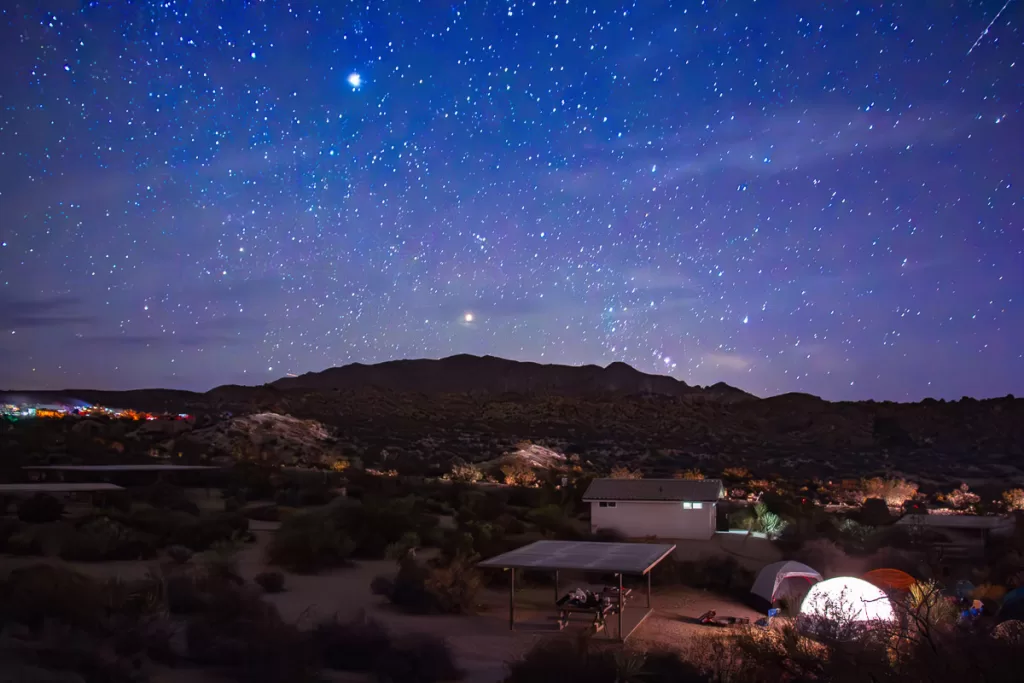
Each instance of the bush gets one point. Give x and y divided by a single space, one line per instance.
354 645
875 512
103 539
310 542
722 575
422 589
263 513
271 582
581 660
40 509
255 647
31 595
198 533
417 658
179 554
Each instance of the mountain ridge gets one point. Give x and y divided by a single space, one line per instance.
465 373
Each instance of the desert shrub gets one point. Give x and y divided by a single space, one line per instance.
767 522
824 556
465 473
623 472
518 473
220 561
31 595
255 646
1013 500
271 582
552 518
400 548
64 653
418 588
743 518
102 539
263 513
310 542
736 473
8 529
722 575
40 508
510 524
354 645
564 659
173 527
895 491
689 475
874 512
962 498
417 658
179 554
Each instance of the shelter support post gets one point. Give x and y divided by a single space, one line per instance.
512 600
620 608
648 590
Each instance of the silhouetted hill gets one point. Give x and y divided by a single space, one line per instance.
466 374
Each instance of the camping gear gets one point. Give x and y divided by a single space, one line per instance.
598 606
890 580
711 618
779 580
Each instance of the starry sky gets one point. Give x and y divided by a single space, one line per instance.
786 196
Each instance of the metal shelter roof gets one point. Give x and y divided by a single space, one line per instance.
58 487
705 490
121 468
591 556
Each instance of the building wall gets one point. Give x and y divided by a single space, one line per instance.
637 519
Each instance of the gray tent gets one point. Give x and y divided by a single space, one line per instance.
784 579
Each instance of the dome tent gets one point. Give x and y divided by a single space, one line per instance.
783 580
890 580
1013 606
847 598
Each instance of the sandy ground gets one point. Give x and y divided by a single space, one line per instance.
481 643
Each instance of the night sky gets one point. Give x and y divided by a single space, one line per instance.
786 196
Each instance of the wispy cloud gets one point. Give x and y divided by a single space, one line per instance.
58 311
729 361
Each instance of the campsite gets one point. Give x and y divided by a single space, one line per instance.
480 580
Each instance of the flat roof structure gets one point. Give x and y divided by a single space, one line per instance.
58 487
587 556
956 521
655 490
120 468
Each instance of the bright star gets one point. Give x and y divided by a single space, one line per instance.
468 317
355 80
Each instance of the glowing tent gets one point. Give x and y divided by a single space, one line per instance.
784 580
848 598
890 580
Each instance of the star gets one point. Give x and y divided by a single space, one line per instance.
355 80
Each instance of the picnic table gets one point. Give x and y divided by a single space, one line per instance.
596 605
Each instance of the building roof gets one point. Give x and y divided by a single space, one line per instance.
591 556
120 468
708 490
956 521
57 487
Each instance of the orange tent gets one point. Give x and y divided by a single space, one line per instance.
890 579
